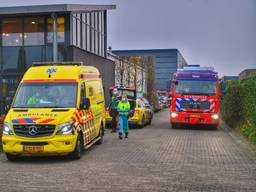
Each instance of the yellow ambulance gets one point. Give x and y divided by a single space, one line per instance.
58 109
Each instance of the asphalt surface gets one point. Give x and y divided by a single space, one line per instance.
156 158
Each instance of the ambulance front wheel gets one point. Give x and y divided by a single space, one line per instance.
101 135
11 157
77 153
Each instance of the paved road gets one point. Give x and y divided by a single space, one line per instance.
156 158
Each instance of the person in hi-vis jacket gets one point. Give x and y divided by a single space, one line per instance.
123 109
113 110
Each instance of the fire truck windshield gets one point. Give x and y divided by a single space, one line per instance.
195 87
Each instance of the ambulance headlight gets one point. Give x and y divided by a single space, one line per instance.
215 116
7 129
174 115
65 128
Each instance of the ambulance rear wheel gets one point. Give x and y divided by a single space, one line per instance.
101 135
77 153
11 157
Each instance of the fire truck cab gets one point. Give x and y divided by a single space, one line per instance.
195 97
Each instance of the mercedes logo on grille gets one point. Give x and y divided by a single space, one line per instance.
32 130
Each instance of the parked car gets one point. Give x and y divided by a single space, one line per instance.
143 114
148 105
140 115
164 100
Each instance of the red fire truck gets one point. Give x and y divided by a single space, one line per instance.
195 97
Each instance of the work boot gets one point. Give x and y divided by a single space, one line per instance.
120 136
126 135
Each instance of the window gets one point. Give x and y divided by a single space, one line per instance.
103 35
88 37
89 31
92 33
34 54
46 95
60 30
34 31
83 32
96 32
100 33
12 32
78 30
196 87
90 91
74 29
141 104
12 59
82 94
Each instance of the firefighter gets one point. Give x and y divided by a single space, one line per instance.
113 110
123 109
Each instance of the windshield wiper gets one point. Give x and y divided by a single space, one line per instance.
14 107
54 106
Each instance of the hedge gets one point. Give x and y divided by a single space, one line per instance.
239 106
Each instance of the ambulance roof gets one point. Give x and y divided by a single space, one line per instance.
60 73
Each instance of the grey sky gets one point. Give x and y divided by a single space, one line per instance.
220 33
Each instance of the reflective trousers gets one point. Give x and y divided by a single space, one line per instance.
123 123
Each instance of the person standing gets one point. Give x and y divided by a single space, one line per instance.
113 110
123 109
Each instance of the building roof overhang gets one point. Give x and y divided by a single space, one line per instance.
57 8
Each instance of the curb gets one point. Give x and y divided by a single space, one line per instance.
238 138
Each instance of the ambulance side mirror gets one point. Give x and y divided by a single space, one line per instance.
7 107
85 104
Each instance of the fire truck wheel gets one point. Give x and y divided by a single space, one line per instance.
174 125
214 127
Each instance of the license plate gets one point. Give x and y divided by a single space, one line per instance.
195 115
33 148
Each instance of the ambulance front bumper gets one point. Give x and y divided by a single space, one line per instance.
57 145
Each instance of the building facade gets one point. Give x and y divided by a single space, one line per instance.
64 32
167 61
247 73
129 73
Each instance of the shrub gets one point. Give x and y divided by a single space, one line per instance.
239 106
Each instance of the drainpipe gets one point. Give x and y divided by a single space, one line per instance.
55 41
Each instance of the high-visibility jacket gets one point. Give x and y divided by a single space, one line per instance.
123 108
114 101
33 100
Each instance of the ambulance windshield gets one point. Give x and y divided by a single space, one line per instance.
46 95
